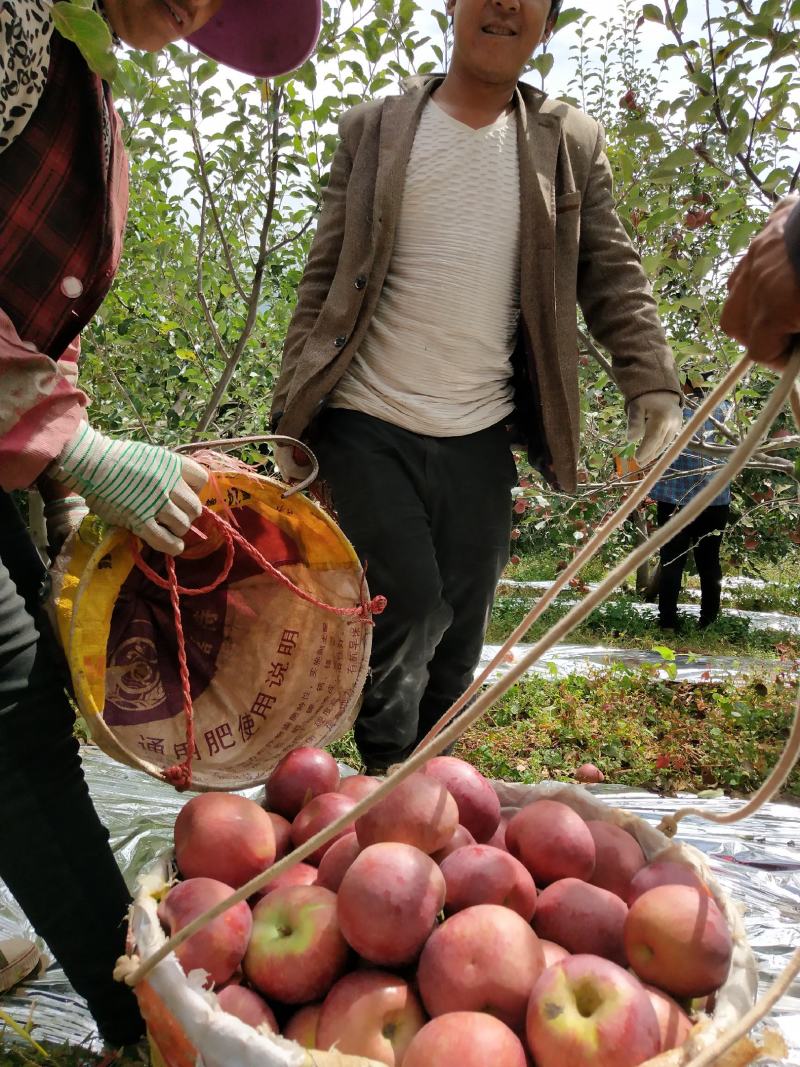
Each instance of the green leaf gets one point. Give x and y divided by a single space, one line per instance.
652 13
665 652
85 28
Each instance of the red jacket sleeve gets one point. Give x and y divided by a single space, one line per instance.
40 407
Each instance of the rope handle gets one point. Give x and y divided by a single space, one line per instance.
229 443
450 733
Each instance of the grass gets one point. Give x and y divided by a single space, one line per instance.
617 624
640 730
25 1055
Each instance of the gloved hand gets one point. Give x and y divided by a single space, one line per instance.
144 488
292 462
655 419
62 516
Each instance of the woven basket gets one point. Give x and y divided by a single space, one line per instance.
184 1021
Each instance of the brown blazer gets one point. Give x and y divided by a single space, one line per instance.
573 249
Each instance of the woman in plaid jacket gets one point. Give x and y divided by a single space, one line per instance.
63 202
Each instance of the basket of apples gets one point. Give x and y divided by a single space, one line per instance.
450 922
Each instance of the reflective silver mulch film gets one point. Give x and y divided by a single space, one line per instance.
757 862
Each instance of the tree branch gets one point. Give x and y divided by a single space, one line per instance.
258 274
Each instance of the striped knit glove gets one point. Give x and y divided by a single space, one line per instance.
62 516
144 488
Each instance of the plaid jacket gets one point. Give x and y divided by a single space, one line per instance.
681 481
63 205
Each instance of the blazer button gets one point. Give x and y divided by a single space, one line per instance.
340 341
361 281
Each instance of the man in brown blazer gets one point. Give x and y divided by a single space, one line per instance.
436 325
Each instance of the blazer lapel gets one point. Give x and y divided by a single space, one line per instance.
399 122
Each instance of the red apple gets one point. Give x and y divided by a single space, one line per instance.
301 775
300 874
358 786
465 1039
296 951
618 857
337 861
224 837
552 841
674 1025
388 902
302 1027
480 874
662 872
372 1014
678 940
283 834
589 774
484 958
552 952
247 1006
461 837
419 812
583 918
220 946
588 1012
315 816
478 804
498 838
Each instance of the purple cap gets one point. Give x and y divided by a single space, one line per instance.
263 38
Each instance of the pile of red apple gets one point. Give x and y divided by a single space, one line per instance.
438 933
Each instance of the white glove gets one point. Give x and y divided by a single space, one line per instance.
144 488
656 420
62 516
292 462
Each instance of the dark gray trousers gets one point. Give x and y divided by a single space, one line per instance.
54 851
431 519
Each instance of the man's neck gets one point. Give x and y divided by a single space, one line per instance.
473 102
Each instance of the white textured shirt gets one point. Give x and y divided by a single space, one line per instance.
436 356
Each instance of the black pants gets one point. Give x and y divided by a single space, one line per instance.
704 537
54 851
431 518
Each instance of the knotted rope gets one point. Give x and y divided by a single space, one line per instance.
180 774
